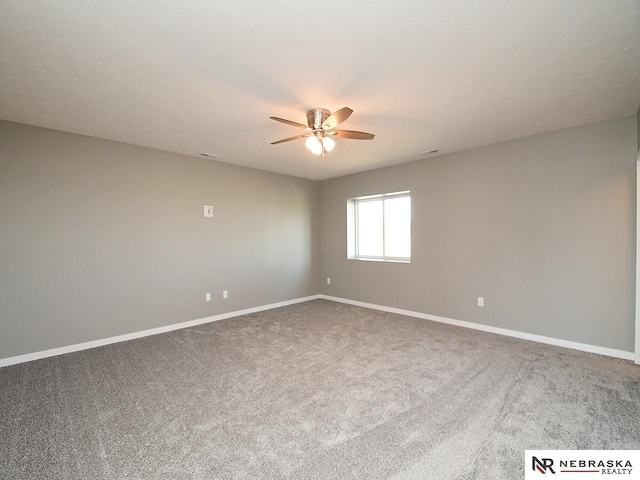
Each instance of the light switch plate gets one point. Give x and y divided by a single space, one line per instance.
208 210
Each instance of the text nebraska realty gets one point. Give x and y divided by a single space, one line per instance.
607 467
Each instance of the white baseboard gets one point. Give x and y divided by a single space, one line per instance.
610 352
4 362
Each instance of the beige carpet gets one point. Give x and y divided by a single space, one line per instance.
314 390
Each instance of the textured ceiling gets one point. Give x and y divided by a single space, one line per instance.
192 76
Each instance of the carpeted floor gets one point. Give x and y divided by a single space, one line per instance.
314 390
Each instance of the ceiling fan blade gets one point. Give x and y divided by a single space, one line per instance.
289 122
337 118
291 138
353 134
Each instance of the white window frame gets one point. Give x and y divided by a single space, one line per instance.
352 228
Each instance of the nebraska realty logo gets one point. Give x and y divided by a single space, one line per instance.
582 464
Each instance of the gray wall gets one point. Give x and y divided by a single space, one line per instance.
542 227
100 238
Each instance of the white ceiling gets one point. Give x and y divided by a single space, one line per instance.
193 76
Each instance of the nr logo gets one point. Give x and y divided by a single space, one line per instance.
542 465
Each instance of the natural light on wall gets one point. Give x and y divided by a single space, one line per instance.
379 227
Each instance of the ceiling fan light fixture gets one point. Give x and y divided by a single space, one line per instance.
328 143
314 145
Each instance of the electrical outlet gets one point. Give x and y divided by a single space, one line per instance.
328 280
207 297
481 301
225 294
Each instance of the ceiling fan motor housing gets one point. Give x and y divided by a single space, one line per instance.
317 116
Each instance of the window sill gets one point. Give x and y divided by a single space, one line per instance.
380 260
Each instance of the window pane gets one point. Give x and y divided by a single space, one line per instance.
397 227
370 228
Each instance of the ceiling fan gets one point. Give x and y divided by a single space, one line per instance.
321 129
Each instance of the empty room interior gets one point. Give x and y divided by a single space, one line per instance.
344 240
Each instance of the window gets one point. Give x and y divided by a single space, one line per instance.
379 227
